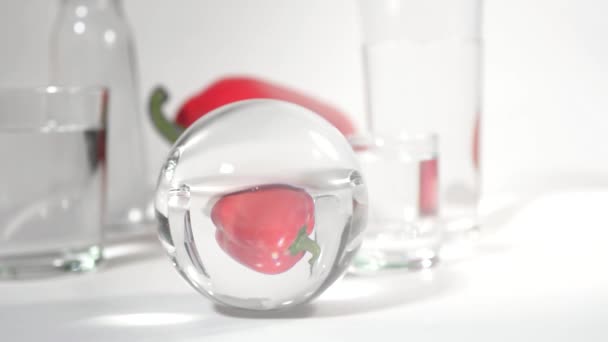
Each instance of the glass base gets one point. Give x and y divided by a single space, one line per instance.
459 223
369 261
50 264
397 244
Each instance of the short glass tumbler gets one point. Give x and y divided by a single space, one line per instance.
52 144
261 205
401 174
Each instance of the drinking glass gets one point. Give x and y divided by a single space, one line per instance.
52 144
422 70
401 176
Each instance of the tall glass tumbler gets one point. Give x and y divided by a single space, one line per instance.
422 75
52 147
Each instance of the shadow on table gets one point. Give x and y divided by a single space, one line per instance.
363 294
167 317
172 317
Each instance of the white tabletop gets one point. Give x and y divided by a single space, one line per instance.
537 274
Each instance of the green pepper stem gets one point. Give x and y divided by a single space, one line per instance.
303 243
166 128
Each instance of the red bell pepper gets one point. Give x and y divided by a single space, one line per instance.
232 89
266 228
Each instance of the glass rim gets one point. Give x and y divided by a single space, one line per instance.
429 139
53 108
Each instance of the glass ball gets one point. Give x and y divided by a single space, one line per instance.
261 205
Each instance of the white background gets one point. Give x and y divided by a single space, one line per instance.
541 279
546 70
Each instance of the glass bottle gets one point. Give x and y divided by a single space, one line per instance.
91 44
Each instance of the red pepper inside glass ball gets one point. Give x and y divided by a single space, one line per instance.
266 228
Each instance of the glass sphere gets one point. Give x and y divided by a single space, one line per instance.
261 205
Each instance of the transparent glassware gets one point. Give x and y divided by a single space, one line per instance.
261 205
401 177
91 44
52 144
422 70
